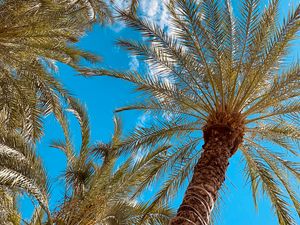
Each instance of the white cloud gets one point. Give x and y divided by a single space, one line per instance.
143 119
149 7
165 15
122 4
118 26
134 63
156 11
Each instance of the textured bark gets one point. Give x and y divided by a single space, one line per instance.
220 143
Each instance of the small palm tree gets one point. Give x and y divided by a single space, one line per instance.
101 194
228 77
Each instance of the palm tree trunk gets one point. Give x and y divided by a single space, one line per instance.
220 143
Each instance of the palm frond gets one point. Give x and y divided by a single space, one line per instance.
11 178
270 186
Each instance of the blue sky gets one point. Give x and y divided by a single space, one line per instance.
102 95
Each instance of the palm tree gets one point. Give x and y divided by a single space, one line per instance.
229 77
34 34
99 193
25 100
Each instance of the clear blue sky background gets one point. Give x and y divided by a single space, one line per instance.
102 95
